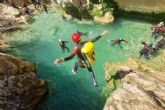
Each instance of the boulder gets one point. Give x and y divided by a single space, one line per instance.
8 10
19 87
106 19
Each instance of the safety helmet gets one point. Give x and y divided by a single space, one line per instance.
59 40
76 37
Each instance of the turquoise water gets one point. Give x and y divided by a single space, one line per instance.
38 43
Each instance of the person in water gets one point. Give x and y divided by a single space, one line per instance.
147 45
62 45
155 32
144 51
118 41
150 44
161 43
76 38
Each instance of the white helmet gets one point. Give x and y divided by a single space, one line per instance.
59 40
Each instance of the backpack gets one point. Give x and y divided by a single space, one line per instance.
87 50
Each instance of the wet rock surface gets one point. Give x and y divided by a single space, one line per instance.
142 86
19 87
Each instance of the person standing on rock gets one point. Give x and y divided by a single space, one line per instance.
85 54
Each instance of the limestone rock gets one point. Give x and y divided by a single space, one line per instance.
142 86
19 86
144 6
106 19
8 10
6 25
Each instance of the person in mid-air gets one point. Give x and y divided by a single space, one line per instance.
85 54
62 45
118 41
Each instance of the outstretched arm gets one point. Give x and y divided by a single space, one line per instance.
124 40
60 60
82 33
98 37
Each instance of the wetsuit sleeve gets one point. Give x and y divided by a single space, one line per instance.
74 52
65 41
82 33
123 40
96 38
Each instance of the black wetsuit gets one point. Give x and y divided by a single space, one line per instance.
145 52
82 33
160 44
63 46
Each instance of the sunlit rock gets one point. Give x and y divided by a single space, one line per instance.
106 19
142 86
8 10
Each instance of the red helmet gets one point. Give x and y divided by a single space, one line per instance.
76 37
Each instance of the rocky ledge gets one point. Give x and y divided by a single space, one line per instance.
144 6
19 87
142 9
142 86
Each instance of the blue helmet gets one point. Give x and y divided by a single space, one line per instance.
119 37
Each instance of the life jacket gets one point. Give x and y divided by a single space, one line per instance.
87 50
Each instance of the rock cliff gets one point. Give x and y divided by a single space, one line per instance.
144 6
143 9
19 87
142 86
